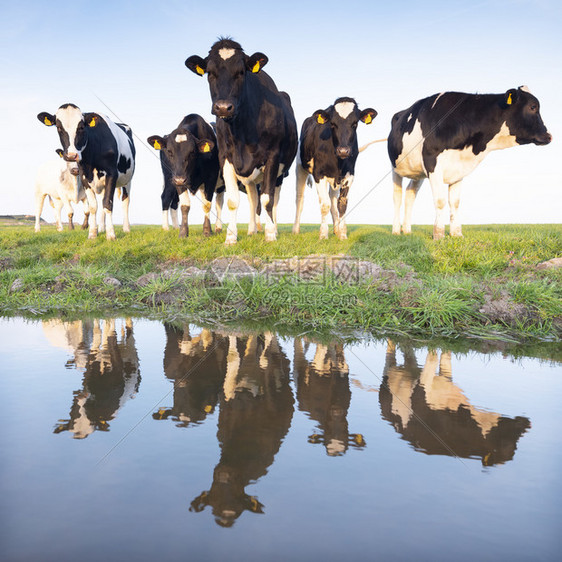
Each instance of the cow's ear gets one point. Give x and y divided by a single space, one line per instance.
205 145
196 64
511 96
256 62
91 120
320 116
156 142
46 118
367 115
59 152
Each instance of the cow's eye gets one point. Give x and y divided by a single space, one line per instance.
533 107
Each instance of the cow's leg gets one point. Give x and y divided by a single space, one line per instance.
276 196
334 194
101 227
218 208
185 205
57 203
206 203
166 198
252 193
69 211
302 175
342 209
86 212
165 224
93 206
411 192
39 201
108 196
323 197
125 200
232 201
454 201
439 189
397 197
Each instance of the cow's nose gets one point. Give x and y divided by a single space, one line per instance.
343 151
223 108
71 157
178 180
74 171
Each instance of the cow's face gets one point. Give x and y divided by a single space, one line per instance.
524 118
227 68
73 167
181 149
343 118
72 129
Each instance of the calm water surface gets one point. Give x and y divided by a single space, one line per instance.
135 440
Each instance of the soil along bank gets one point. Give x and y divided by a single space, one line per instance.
473 286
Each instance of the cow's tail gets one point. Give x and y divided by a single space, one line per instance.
362 148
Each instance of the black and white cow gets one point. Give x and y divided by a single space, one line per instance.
256 130
445 136
328 151
105 153
190 163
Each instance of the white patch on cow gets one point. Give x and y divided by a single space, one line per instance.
409 117
181 138
335 447
409 163
225 54
184 199
70 117
124 149
525 89
433 105
503 139
344 108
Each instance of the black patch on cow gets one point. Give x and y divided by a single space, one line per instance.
123 164
65 105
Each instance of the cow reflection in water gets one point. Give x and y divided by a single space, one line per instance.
111 370
256 408
431 412
323 391
196 363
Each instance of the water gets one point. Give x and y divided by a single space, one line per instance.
130 439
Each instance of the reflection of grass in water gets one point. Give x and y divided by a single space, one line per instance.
454 278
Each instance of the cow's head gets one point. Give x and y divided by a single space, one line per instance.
72 129
227 67
523 117
343 117
73 167
181 149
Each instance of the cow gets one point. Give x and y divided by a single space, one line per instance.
327 153
323 391
106 154
427 408
190 164
445 136
106 354
61 182
256 130
256 409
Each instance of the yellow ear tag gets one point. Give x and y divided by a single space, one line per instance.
208 409
47 122
60 154
320 119
92 123
509 100
157 145
206 147
256 67
199 70
368 119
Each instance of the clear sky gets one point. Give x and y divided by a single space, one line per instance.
126 59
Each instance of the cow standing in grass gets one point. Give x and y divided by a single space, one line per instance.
190 164
106 155
61 182
445 136
327 152
256 130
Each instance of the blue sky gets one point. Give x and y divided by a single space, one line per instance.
126 59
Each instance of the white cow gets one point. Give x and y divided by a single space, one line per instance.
60 181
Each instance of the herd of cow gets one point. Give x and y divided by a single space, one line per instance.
254 143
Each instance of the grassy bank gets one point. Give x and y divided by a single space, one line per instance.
484 285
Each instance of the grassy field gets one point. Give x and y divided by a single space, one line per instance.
484 285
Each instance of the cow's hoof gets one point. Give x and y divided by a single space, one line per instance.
126 229
296 229
166 228
110 236
230 242
218 230
270 237
456 232
207 233
438 233
342 236
407 230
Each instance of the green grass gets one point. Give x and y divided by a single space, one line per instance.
441 289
